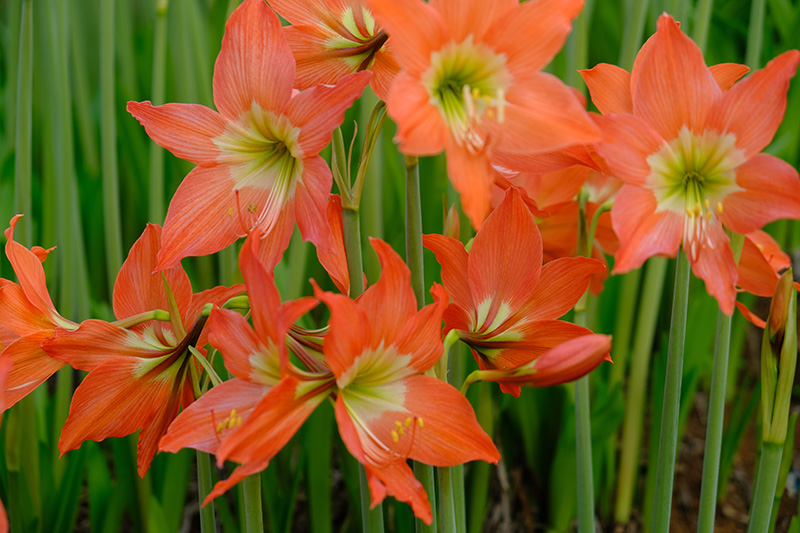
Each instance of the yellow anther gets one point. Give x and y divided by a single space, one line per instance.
230 211
689 212
708 204
238 420
395 436
719 207
419 421
398 424
697 209
233 413
231 422
252 208
408 421
709 214
220 427
401 430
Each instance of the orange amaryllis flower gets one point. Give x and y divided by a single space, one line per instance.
258 158
28 318
333 38
387 411
505 303
256 356
686 142
472 85
138 375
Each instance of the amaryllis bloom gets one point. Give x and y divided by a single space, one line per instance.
472 85
505 303
28 318
257 357
138 367
387 411
686 140
332 38
258 157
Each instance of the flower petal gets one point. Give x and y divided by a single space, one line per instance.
311 198
672 86
254 63
756 275
453 258
610 88
627 143
31 366
753 108
421 130
727 74
715 266
198 426
421 336
186 130
643 232
771 192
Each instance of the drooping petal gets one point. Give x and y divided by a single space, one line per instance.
671 84
207 421
238 474
18 314
254 63
421 130
349 333
139 289
530 34
32 366
542 114
771 192
421 335
715 266
472 176
628 141
610 87
311 199
756 275
384 71
390 302
117 398
202 217
450 434
750 316
727 74
753 108
186 130
332 255
501 273
274 421
319 110
416 27
643 232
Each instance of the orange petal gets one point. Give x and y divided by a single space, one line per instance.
186 130
238 474
530 34
319 110
568 361
472 176
627 143
450 434
750 316
756 275
274 421
753 108
643 232
610 88
254 63
715 266
311 197
543 115
451 254
332 255
472 17
499 271
771 192
421 130
727 74
421 336
202 216
31 366
18 314
390 302
349 333
384 70
561 284
198 426
417 29
315 64
671 84
139 289
232 335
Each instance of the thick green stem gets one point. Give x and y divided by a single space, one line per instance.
768 468
583 436
414 260
632 36
108 139
702 19
156 192
623 327
716 413
447 501
637 382
207 519
755 34
23 152
253 509
668 446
